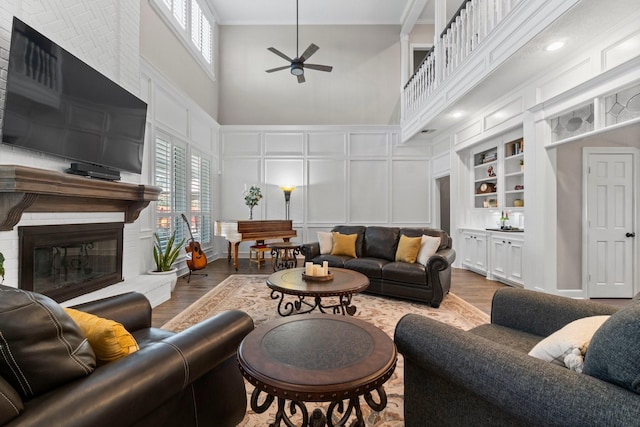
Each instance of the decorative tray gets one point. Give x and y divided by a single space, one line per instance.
318 278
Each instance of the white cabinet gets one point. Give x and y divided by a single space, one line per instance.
474 251
506 258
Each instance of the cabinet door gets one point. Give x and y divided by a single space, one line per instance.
515 261
499 257
481 253
469 250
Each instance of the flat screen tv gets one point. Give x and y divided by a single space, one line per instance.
59 105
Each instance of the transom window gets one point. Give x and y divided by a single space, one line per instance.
192 22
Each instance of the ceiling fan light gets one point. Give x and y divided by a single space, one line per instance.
296 69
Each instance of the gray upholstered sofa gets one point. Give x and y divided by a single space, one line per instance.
376 250
485 377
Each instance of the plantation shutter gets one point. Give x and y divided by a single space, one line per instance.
180 190
201 31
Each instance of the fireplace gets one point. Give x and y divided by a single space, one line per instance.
66 261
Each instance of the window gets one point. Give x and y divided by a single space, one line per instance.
192 23
186 189
200 218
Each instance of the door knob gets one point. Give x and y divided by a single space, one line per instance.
630 234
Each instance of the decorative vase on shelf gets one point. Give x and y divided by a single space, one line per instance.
250 212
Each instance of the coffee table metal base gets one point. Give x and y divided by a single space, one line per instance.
302 305
317 418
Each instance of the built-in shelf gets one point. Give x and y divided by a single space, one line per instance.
26 189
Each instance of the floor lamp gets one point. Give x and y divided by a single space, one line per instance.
287 198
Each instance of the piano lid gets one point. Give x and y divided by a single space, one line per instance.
237 230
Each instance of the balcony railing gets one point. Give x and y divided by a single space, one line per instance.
471 24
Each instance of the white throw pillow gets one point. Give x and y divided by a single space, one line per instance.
567 346
325 239
428 247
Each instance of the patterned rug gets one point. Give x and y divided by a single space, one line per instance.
250 294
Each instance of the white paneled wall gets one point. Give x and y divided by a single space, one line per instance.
342 175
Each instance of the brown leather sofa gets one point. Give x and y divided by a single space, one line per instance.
190 378
376 249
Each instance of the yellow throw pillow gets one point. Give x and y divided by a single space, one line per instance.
408 248
109 339
344 244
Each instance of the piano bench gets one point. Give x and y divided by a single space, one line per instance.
259 251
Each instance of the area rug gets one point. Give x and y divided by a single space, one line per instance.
250 294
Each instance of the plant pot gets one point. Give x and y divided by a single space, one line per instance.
173 272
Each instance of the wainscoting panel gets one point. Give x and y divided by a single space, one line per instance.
326 191
369 191
279 144
239 175
326 143
410 187
369 144
241 144
278 172
170 112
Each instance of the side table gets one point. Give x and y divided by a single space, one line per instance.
284 255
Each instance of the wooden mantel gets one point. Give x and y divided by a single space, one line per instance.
26 189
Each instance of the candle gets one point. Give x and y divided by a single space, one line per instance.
325 268
308 268
317 270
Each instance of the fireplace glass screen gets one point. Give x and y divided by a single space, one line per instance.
65 261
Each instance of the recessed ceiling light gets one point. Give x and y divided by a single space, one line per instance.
554 46
457 114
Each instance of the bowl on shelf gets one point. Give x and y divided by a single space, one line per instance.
518 203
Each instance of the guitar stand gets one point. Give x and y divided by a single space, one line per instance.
191 272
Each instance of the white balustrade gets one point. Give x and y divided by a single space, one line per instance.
465 32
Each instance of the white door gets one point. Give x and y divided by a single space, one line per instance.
610 225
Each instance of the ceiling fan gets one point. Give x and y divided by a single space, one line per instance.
297 64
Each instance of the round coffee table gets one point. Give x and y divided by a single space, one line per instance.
317 358
344 284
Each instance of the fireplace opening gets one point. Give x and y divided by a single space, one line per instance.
66 261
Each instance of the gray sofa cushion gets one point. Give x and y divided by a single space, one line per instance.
381 242
614 352
53 352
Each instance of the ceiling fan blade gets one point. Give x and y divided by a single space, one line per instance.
301 78
285 67
326 68
310 51
280 54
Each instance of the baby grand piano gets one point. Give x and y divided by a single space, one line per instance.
249 230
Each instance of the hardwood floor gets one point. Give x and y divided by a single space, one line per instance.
469 286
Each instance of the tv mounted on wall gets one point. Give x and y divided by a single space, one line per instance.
57 104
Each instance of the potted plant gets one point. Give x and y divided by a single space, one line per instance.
165 256
251 198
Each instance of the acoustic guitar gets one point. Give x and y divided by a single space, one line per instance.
196 259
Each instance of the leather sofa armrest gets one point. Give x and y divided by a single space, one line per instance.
124 391
521 309
131 309
535 391
10 402
438 270
310 250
